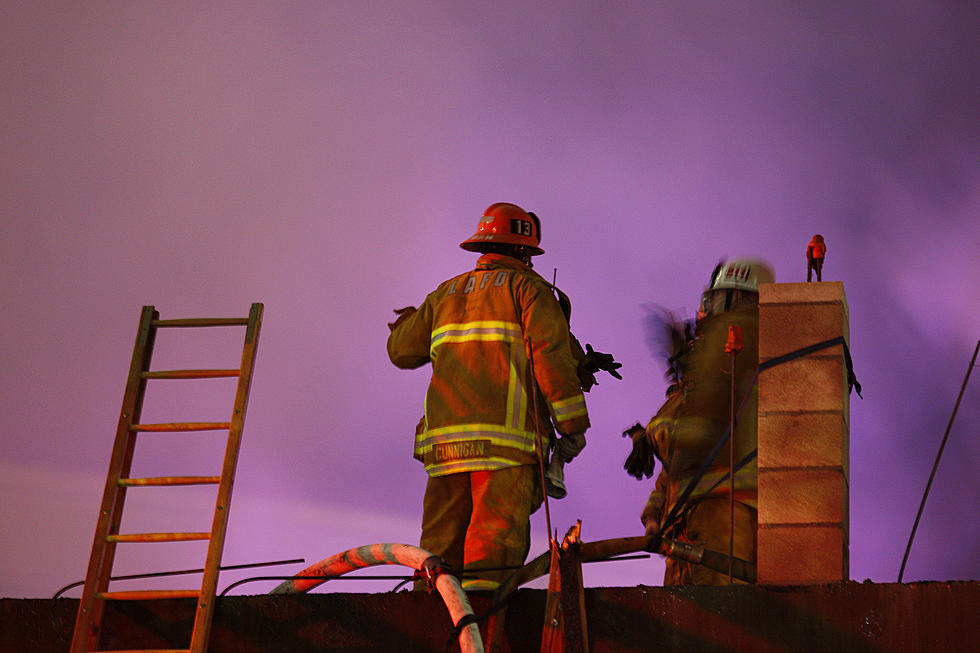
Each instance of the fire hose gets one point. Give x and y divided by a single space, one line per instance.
429 567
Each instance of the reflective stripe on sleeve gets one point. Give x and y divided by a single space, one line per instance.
569 408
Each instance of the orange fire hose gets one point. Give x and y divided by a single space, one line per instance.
393 554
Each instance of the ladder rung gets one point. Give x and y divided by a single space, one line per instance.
158 537
148 595
190 374
202 322
182 426
170 480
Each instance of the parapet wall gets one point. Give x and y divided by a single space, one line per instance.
854 617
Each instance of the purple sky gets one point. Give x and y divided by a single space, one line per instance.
327 158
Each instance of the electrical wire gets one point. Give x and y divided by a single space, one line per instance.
935 465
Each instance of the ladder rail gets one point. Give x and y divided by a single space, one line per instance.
90 611
209 585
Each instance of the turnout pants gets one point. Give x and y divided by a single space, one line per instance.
814 265
481 520
707 524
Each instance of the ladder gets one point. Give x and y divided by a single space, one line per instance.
96 592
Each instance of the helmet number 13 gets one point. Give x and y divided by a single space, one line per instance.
521 227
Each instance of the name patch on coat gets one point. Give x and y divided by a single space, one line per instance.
448 451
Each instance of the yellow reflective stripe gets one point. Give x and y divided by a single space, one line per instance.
516 394
574 399
570 408
511 395
476 324
495 433
482 465
564 417
485 330
476 430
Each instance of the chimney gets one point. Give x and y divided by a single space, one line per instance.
803 436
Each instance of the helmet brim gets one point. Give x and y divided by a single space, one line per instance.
473 245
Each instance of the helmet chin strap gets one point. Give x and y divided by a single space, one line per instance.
525 257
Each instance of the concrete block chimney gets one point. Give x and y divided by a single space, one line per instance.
803 436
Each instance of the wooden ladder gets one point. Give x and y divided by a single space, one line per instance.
96 592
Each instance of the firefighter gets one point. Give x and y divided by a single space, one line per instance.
695 417
478 439
816 250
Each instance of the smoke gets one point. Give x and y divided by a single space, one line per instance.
328 159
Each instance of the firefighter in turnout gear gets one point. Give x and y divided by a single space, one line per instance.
692 420
816 251
478 438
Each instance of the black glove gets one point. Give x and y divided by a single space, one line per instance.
642 459
593 362
403 314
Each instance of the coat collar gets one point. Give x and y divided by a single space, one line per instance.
492 260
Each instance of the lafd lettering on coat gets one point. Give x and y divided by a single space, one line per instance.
499 278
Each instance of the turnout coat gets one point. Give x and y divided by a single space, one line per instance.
478 330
